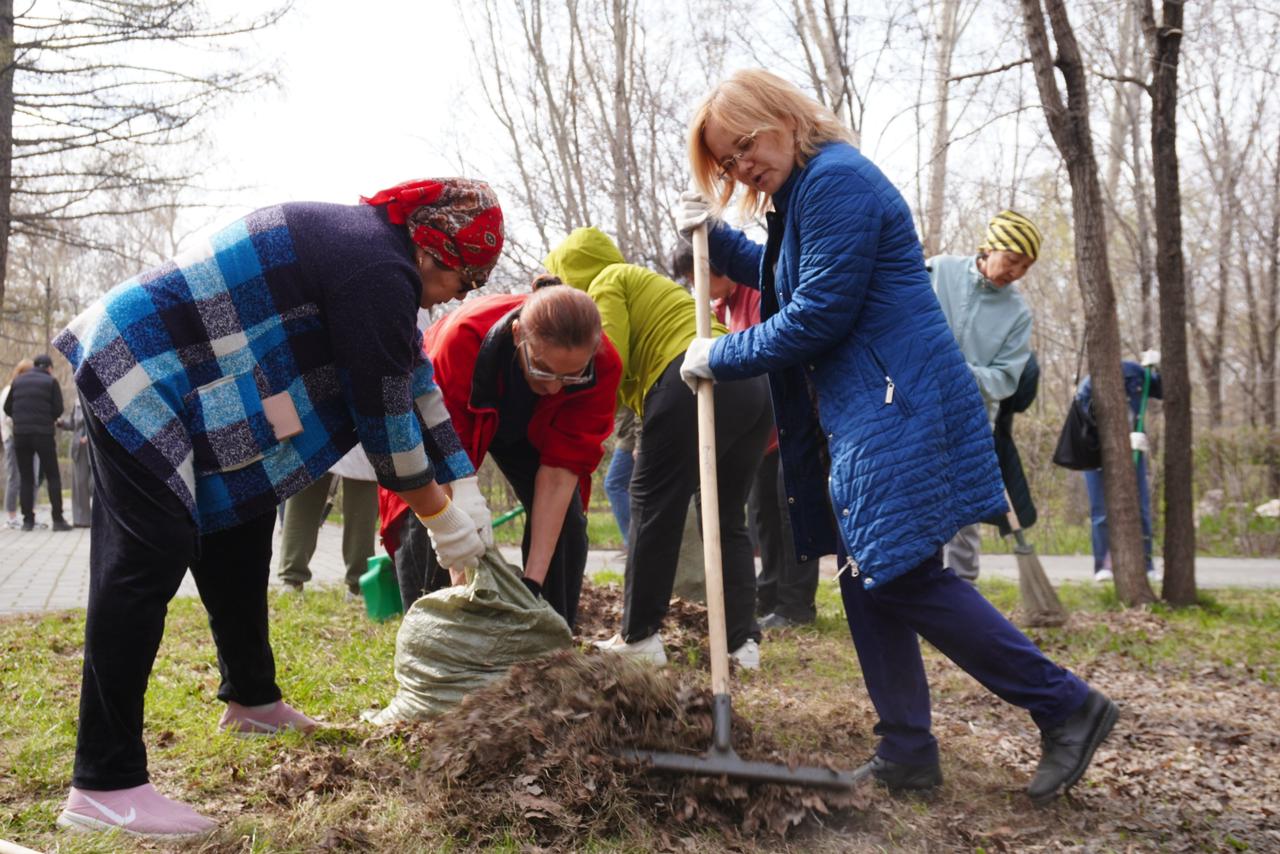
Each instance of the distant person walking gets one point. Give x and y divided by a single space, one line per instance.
13 483
35 403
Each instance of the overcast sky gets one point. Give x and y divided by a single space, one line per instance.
367 97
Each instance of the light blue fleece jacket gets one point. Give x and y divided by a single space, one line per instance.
992 325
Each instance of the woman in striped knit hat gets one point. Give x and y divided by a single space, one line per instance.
992 325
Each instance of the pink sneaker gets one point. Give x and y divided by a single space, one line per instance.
263 720
140 811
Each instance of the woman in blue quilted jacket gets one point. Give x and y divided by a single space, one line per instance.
884 441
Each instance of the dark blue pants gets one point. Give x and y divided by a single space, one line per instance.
933 603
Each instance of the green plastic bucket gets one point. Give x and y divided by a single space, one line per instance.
381 590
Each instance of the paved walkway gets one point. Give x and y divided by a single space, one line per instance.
44 571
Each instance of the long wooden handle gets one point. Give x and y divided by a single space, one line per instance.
707 476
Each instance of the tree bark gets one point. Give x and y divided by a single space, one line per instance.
1163 43
946 36
6 136
1069 126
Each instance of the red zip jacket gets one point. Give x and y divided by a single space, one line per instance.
469 349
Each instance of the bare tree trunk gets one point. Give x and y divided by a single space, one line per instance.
6 135
1271 332
1163 43
1142 206
946 37
1069 126
622 126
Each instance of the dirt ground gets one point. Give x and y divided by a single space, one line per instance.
1191 766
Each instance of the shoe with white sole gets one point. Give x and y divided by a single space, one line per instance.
649 650
140 811
264 720
747 656
1102 575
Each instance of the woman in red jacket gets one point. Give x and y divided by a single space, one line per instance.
530 380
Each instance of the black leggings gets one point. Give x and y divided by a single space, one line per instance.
666 477
26 450
141 544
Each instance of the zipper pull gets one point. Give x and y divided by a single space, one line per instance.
848 566
888 391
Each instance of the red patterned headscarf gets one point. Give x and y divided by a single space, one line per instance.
457 220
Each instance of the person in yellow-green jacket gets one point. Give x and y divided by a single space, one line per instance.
650 320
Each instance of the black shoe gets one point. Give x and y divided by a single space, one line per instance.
28 526
904 778
1068 748
61 525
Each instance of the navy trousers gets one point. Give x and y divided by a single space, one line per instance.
933 603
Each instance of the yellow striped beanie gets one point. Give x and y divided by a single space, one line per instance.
1012 232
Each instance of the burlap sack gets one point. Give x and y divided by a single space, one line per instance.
456 640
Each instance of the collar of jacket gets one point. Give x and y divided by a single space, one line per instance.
496 351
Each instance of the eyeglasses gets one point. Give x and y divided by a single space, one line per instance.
745 147
586 375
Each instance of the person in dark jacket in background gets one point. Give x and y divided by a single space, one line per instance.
35 404
222 382
877 414
1134 379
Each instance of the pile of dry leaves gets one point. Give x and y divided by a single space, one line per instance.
537 753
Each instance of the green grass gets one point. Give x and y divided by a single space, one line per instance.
334 663
602 530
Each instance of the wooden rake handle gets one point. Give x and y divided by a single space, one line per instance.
707 476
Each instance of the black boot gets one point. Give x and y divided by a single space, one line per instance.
899 777
61 525
1068 748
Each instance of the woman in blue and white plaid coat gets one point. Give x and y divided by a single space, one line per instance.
222 382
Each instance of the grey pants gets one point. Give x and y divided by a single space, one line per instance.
81 484
302 521
961 554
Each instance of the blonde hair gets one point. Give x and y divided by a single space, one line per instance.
21 368
755 101
561 317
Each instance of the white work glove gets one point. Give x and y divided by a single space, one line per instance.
1140 442
1150 358
697 363
467 495
454 537
692 212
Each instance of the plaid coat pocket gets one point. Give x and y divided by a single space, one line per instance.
227 425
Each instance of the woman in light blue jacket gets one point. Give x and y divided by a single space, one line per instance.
878 418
